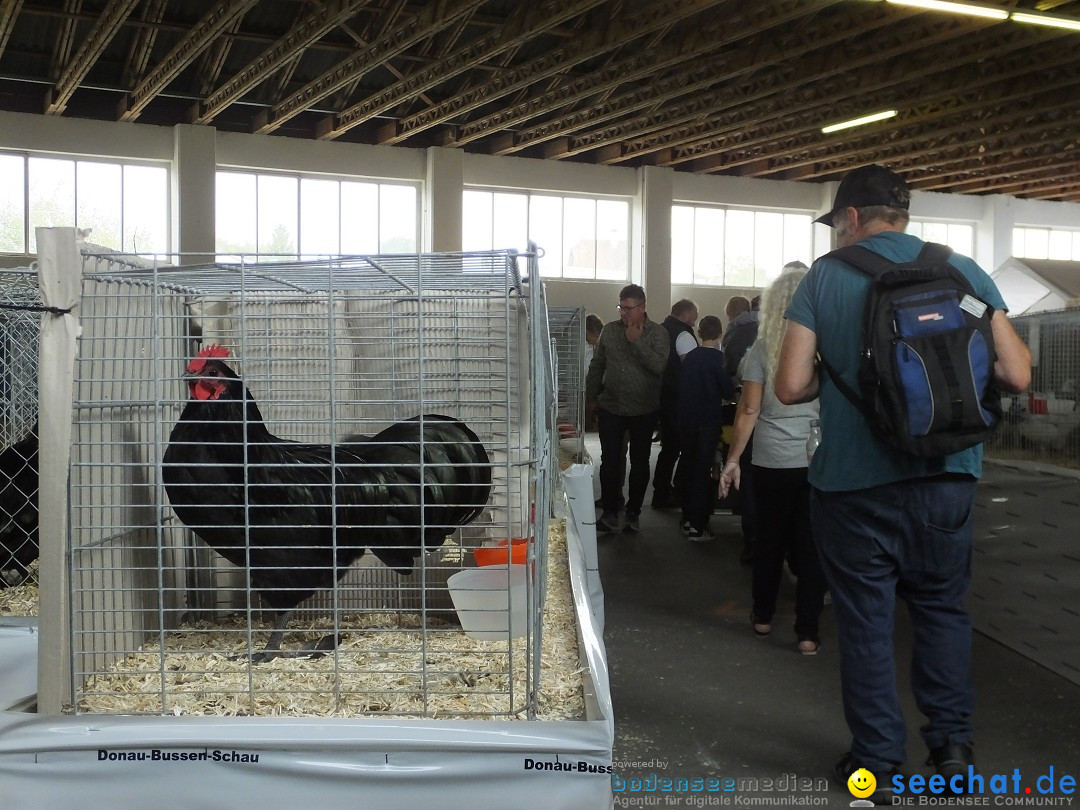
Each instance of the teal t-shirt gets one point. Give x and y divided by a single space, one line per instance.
829 301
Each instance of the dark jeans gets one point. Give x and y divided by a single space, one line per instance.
696 486
911 539
783 506
611 428
670 448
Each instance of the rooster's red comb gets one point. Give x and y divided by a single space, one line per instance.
213 350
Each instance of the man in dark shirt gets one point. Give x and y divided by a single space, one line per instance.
680 328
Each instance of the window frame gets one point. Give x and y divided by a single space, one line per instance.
298 179
532 198
77 160
720 212
967 250
1021 234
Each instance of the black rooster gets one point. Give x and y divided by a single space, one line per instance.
18 509
295 515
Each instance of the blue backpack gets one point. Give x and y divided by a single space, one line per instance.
927 355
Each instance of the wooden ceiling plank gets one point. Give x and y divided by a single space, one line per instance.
213 59
309 30
65 40
518 30
1019 173
346 92
197 39
975 172
106 26
142 43
701 108
917 151
432 17
1008 154
9 11
678 125
916 106
730 110
653 15
691 50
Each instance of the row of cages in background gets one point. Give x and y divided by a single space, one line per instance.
317 448
567 328
1043 423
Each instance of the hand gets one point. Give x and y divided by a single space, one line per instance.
590 412
634 331
732 474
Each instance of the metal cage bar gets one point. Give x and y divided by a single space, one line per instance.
567 326
333 352
1043 423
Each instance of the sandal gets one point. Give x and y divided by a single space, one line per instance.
761 629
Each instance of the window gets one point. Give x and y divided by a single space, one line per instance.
960 237
1046 243
291 216
736 247
581 237
124 205
12 204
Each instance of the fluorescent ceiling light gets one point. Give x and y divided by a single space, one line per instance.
1046 19
858 122
956 8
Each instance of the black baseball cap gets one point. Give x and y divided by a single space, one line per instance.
868 185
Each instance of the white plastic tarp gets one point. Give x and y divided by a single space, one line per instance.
577 480
268 763
18 662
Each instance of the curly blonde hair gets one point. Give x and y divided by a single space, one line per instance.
774 302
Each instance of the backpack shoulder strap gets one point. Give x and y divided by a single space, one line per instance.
849 393
874 265
863 259
932 252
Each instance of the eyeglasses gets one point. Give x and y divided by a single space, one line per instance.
622 308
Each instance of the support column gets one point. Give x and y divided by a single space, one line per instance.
993 235
193 192
443 205
654 270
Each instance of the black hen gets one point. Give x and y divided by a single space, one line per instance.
18 509
295 515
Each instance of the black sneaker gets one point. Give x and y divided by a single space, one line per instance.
699 535
952 759
631 523
883 794
607 523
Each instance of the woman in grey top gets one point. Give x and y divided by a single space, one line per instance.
781 490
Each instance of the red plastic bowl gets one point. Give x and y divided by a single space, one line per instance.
496 555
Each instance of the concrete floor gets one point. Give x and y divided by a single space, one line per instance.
697 695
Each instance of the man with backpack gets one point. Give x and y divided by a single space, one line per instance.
893 497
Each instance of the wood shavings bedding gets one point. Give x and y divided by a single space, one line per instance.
21 600
386 664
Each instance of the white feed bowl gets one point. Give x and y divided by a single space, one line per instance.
488 602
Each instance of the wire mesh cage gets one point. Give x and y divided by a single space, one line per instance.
388 430
567 328
20 316
1043 424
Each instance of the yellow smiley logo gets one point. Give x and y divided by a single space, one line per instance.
861 783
